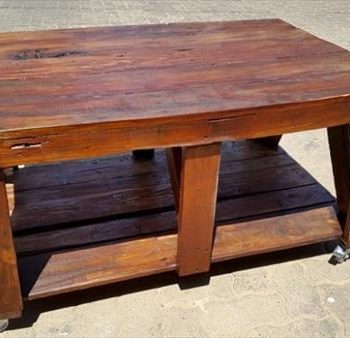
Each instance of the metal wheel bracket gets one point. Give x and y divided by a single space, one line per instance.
4 323
340 254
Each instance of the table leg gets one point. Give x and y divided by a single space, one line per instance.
270 141
197 205
10 292
145 154
339 143
174 159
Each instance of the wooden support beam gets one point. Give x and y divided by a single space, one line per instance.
143 154
197 205
270 141
339 143
10 292
174 159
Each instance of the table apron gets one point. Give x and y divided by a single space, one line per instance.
68 143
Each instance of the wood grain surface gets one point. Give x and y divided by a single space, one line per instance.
42 197
49 274
197 206
254 181
174 160
339 143
163 85
10 291
266 202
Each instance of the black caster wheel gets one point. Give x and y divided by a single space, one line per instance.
329 246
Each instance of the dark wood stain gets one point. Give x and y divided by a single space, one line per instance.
273 210
80 94
10 291
164 85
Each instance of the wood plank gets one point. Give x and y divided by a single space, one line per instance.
83 171
49 274
188 94
197 206
277 233
60 40
84 93
57 44
121 186
10 293
174 160
181 76
90 141
228 211
339 142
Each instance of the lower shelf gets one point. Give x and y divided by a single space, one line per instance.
54 273
86 223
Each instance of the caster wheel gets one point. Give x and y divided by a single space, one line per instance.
340 255
329 246
4 323
146 154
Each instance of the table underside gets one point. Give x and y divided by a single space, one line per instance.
87 223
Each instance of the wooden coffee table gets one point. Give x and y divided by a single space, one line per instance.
72 100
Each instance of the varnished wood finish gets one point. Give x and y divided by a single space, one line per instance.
229 210
80 93
49 274
84 93
10 292
70 192
197 206
174 160
339 142
270 234
263 197
134 198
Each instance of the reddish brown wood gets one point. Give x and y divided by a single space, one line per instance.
229 210
254 181
82 93
174 160
69 192
339 142
73 94
10 292
277 233
123 166
197 205
49 274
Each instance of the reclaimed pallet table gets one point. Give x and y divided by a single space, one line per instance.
77 215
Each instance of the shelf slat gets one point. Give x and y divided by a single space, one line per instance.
55 194
228 211
59 272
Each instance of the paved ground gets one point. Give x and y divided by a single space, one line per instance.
293 294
